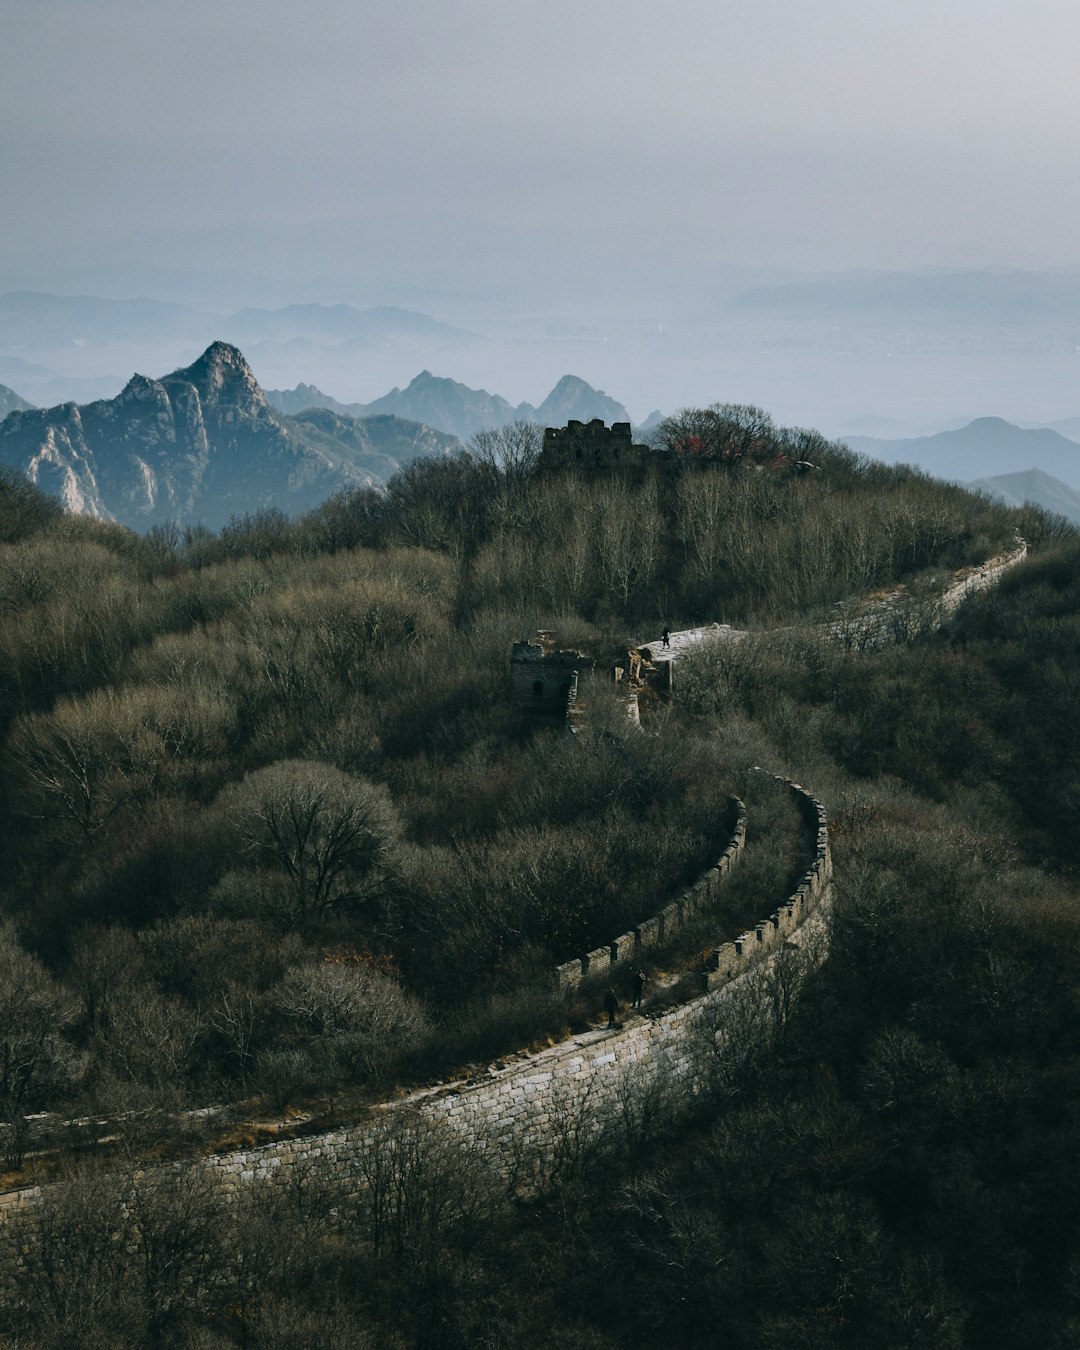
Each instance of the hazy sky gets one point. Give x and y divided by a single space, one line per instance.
777 132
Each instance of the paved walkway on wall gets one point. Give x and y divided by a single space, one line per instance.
689 639
869 625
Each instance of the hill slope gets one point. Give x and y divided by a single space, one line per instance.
1034 487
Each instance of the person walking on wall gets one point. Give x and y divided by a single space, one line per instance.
639 988
665 637
611 1006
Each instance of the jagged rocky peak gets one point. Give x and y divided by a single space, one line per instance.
575 399
142 389
573 386
221 373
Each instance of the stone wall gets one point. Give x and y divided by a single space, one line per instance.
879 626
529 1118
528 1114
533 1114
984 576
726 962
657 931
592 445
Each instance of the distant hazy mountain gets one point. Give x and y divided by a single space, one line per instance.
446 404
16 368
870 424
201 444
573 399
293 401
455 408
1036 487
335 325
985 448
989 293
650 424
1068 426
11 402
39 319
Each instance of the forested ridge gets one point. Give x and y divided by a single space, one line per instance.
270 834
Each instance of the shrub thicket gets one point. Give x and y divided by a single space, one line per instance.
269 829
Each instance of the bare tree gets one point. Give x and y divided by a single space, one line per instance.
35 1059
327 835
729 432
511 452
353 1012
423 1187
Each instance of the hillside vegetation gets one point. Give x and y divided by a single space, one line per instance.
270 832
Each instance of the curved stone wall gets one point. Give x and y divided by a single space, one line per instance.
729 960
527 1116
657 931
530 1116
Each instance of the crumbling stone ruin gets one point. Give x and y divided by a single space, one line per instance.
639 670
593 445
544 681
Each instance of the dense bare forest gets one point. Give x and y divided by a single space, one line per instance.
271 835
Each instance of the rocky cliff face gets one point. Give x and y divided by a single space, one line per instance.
201 444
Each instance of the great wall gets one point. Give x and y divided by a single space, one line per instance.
525 1118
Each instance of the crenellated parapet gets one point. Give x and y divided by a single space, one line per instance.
658 930
730 959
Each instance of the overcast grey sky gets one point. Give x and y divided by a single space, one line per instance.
767 131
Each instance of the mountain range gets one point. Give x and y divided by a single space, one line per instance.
1014 464
203 444
33 319
335 325
455 408
985 448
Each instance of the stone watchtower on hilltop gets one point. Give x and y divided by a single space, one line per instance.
592 445
543 681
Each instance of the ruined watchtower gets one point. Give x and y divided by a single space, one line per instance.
544 681
592 445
